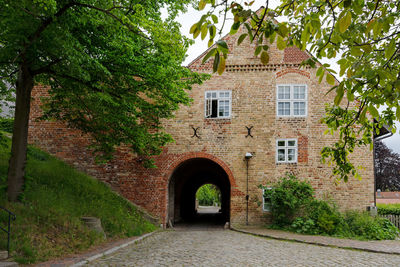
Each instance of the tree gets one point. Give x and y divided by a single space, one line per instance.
362 37
114 68
387 168
208 195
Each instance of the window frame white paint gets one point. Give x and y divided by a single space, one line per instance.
263 200
218 99
291 100
286 148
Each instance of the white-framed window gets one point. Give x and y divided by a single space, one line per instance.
266 205
291 100
218 104
286 150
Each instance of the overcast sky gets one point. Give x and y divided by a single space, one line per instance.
193 16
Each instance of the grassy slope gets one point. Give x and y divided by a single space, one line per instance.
56 196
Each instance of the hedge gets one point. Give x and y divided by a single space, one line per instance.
387 210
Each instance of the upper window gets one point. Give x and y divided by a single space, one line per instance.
218 104
286 150
291 100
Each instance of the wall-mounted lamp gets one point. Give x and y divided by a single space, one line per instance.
248 156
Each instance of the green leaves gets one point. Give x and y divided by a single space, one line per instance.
115 73
241 38
221 65
280 43
264 57
222 46
330 79
344 21
339 94
390 49
202 4
211 53
373 111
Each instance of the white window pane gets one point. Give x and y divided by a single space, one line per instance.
281 154
223 108
291 155
299 108
208 94
280 108
302 109
283 108
287 108
267 204
280 92
296 108
281 143
214 95
291 143
299 92
283 92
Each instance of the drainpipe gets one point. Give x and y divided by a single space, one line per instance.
247 157
389 134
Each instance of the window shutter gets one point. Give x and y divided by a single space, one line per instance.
208 107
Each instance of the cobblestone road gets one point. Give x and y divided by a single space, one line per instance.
196 247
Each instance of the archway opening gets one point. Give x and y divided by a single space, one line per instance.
185 182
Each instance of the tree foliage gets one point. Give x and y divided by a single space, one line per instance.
208 195
114 68
362 37
387 168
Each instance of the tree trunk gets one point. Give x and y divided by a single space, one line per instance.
16 167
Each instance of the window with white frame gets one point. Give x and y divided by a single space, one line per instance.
267 202
291 100
286 150
218 104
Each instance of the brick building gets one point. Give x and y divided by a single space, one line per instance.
272 112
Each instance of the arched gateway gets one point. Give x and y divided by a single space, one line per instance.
184 182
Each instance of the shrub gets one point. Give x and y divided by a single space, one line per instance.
6 125
362 225
387 209
288 198
304 225
294 208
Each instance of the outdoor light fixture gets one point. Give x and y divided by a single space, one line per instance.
247 157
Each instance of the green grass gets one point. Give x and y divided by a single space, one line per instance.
56 196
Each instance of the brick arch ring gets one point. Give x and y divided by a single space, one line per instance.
199 155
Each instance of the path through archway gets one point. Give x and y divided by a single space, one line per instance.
186 179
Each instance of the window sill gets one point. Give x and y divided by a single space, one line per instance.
291 117
286 163
218 118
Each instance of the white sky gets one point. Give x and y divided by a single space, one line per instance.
192 16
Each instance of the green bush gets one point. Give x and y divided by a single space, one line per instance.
6 125
294 208
208 194
288 198
364 226
388 209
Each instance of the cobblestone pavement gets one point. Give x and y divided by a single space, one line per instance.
211 247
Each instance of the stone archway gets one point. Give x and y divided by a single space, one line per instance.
184 182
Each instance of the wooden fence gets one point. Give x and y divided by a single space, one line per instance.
395 219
